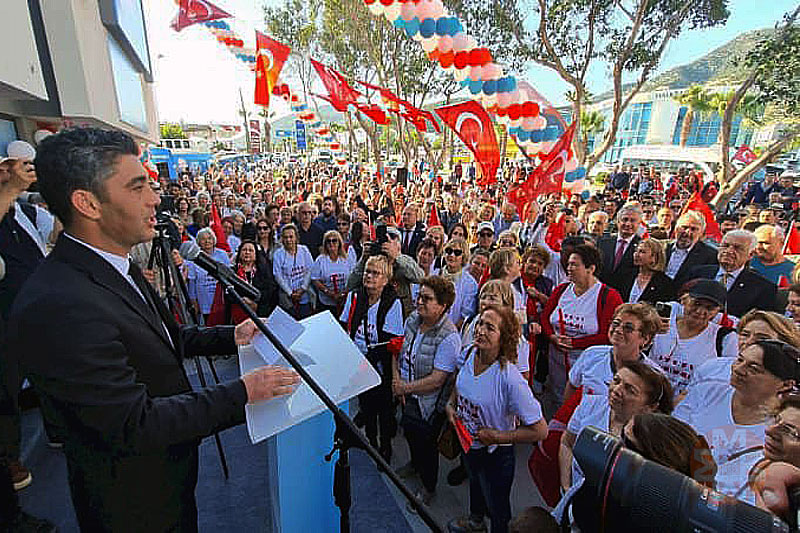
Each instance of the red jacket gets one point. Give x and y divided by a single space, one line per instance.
605 310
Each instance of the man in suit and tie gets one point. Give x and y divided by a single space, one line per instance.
105 354
618 249
411 231
746 289
688 250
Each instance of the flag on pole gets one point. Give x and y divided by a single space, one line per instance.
433 219
195 11
341 94
696 203
473 126
744 154
549 175
270 57
792 244
216 227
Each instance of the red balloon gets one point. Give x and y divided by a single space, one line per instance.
514 111
461 60
530 109
433 55
502 111
446 59
483 56
387 2
474 57
369 2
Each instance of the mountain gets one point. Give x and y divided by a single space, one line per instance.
715 68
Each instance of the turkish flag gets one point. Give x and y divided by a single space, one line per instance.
194 11
549 175
473 126
696 203
792 244
555 233
521 196
744 154
340 92
374 112
433 219
219 233
270 57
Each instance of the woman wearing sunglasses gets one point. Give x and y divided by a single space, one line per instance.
330 272
455 260
735 424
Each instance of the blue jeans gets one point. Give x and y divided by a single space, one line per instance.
490 479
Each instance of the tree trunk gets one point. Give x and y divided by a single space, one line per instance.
686 126
727 190
351 134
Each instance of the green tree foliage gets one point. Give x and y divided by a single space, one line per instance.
171 131
697 102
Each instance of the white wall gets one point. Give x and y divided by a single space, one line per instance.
19 66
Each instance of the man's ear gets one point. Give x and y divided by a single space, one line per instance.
85 204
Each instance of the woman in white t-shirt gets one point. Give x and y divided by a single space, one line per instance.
291 266
330 272
426 254
636 388
505 265
735 423
632 329
456 253
497 408
692 338
577 315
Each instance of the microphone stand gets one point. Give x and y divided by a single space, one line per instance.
346 435
178 302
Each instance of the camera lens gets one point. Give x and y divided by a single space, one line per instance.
623 491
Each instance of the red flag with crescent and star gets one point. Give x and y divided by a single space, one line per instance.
548 177
341 94
195 11
270 57
473 126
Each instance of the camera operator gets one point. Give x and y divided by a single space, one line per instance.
405 270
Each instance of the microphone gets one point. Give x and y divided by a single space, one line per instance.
191 251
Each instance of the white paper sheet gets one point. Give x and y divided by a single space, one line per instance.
325 352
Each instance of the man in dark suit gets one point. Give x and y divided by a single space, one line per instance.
617 250
104 353
688 250
411 231
746 289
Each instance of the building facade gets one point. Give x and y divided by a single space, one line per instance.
75 62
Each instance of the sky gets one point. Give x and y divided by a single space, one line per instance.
198 80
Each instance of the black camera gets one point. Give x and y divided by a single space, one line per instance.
381 236
622 491
664 310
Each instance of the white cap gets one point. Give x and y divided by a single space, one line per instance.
21 150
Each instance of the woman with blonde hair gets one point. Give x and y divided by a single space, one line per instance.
330 272
456 256
650 284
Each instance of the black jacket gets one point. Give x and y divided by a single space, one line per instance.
107 374
616 277
700 254
749 290
660 288
416 237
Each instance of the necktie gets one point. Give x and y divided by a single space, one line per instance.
405 240
725 278
142 284
619 254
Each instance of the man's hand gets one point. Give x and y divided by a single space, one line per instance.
488 436
562 341
392 249
772 487
244 332
150 275
267 382
20 175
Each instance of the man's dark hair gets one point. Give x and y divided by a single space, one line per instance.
78 159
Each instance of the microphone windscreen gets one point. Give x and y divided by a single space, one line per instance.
189 250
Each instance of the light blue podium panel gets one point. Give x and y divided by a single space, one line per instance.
300 480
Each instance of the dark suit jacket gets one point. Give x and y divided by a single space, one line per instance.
660 289
616 277
749 291
414 240
108 376
700 254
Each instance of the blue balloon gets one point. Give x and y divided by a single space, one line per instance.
475 86
412 27
490 87
427 28
523 135
456 28
536 136
442 26
400 23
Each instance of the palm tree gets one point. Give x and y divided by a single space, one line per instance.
696 101
592 122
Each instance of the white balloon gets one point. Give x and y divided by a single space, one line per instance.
21 150
540 122
460 74
430 44
376 8
392 11
516 123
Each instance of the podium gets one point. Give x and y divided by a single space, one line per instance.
298 427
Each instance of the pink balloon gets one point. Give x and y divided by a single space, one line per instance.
424 10
460 42
429 44
392 11
571 165
408 11
475 73
437 9
528 124
503 99
541 122
491 71
445 43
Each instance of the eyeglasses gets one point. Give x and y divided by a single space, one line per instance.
627 327
263 228
454 251
425 298
370 272
785 429
486 234
331 241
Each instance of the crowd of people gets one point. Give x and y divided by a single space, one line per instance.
610 308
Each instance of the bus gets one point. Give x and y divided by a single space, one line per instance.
669 158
